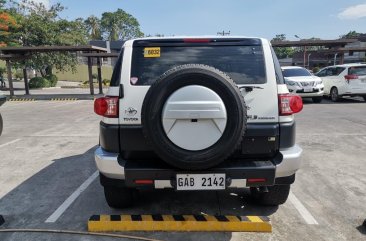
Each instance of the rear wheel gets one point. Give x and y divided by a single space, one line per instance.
118 197
364 97
276 195
334 94
317 99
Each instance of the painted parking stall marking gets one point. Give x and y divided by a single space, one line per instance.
61 209
178 223
9 143
306 215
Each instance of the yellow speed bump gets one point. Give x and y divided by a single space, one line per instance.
177 223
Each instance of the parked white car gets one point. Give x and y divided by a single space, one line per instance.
300 81
344 80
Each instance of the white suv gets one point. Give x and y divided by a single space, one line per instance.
300 81
344 80
197 113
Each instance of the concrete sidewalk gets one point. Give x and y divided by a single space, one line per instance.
64 89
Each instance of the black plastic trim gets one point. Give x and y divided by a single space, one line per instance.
130 142
109 137
285 180
110 182
287 134
212 41
234 169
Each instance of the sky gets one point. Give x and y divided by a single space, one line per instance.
325 19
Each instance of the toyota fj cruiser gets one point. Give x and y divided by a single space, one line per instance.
201 113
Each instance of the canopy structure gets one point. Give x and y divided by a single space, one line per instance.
11 54
336 47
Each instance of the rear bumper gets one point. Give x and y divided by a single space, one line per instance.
309 95
285 164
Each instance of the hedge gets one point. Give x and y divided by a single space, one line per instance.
39 82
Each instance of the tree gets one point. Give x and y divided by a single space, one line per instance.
120 25
8 27
350 34
44 27
282 52
93 25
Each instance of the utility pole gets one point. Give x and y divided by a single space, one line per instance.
223 33
297 36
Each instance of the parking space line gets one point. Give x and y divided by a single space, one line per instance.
10 142
306 215
61 209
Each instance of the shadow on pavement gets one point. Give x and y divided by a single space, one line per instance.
325 101
362 228
34 200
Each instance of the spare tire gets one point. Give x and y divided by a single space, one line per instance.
194 116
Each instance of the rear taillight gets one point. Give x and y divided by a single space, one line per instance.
106 106
289 104
350 77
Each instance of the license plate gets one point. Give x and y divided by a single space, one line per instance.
308 90
214 181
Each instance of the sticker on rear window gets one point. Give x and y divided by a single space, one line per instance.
152 52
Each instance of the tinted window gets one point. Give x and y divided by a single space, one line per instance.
321 73
116 75
359 70
295 72
244 64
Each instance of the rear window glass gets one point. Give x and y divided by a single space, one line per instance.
244 64
295 72
359 70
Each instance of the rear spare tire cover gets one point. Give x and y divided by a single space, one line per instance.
194 117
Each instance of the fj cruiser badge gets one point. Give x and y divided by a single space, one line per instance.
131 111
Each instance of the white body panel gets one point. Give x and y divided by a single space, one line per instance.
262 103
351 87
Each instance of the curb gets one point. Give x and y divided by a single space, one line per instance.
21 100
64 99
178 223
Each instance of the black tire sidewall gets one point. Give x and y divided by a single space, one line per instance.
180 77
333 98
1 124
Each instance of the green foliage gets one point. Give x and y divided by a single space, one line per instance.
106 82
95 76
316 70
2 71
18 74
120 25
38 82
41 26
52 80
282 52
350 35
93 25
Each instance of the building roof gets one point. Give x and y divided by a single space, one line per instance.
301 43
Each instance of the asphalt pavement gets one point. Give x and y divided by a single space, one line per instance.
48 178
